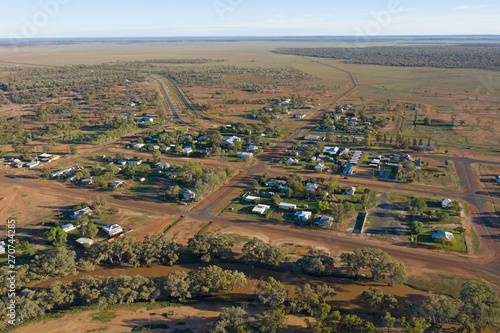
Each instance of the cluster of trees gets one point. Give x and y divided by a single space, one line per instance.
183 61
380 264
30 85
203 180
465 56
219 76
99 291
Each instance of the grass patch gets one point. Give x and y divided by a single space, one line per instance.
203 226
438 283
239 239
104 316
171 225
495 279
459 245
149 327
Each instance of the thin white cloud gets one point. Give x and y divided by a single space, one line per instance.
471 7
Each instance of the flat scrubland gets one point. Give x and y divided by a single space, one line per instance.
461 104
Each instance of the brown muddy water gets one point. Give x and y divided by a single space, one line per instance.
348 290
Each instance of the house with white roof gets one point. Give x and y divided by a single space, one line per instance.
253 148
287 206
350 190
319 166
303 215
187 150
331 150
68 227
311 186
324 221
84 241
244 155
112 230
61 172
292 161
446 203
443 234
138 145
88 181
251 198
3 247
83 211
162 166
188 194
260 209
229 142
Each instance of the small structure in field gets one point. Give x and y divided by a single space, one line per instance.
446 203
350 190
303 216
83 211
112 230
260 209
287 206
84 241
68 227
443 234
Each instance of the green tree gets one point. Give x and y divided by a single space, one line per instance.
373 297
89 230
389 321
480 304
210 246
418 204
232 319
416 228
323 206
416 325
274 320
156 156
177 285
316 262
45 173
272 293
57 236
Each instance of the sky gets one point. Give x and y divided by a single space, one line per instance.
168 18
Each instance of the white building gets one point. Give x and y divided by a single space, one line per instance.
68 227
292 161
244 155
303 216
324 221
162 166
446 203
312 186
3 247
319 166
260 209
443 234
251 198
229 142
350 190
287 206
83 241
112 230
83 211
253 148
138 145
188 194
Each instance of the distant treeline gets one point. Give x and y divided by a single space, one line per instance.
467 56
183 61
